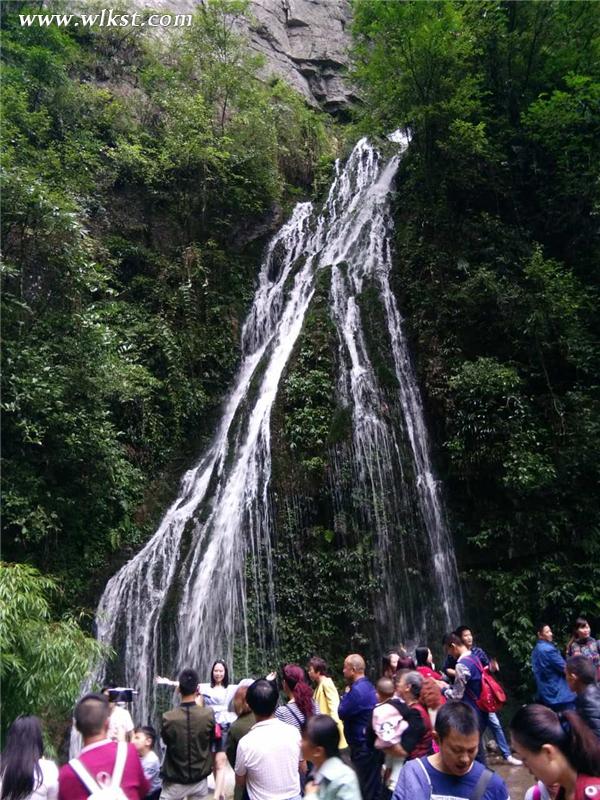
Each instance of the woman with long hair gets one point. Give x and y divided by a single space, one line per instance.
24 772
218 695
558 748
301 705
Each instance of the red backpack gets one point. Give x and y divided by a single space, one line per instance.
492 696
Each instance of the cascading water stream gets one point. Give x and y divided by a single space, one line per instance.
182 599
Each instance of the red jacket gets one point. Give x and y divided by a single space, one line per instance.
584 788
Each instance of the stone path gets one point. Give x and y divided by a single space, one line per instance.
518 779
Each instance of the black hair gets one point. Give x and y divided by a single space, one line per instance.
386 664
318 664
148 731
322 731
580 622
225 683
541 625
452 638
262 697
461 629
421 656
583 668
20 769
91 714
458 716
188 682
535 725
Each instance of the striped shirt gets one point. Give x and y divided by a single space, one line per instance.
291 714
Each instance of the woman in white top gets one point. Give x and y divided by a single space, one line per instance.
24 773
218 694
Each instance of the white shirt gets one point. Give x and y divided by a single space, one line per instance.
268 756
119 724
218 698
48 789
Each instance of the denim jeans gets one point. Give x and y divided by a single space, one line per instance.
495 726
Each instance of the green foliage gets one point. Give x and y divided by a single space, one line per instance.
320 609
135 170
307 404
497 254
44 660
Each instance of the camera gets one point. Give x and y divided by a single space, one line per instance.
120 694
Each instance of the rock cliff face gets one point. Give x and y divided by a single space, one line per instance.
304 41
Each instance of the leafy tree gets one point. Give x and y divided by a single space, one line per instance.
496 242
134 177
44 660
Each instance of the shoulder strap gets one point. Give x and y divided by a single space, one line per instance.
84 776
399 705
482 784
475 661
117 775
293 713
422 765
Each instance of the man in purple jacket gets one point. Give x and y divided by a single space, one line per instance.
355 711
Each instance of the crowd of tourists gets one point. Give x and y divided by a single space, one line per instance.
417 733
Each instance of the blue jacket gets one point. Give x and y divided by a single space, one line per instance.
549 671
356 709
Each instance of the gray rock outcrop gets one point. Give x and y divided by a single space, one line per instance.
305 42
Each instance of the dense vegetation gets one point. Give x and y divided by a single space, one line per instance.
497 251
138 174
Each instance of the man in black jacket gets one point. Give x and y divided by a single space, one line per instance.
189 735
581 677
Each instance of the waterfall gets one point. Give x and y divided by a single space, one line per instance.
182 600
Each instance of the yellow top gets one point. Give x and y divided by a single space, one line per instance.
328 700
